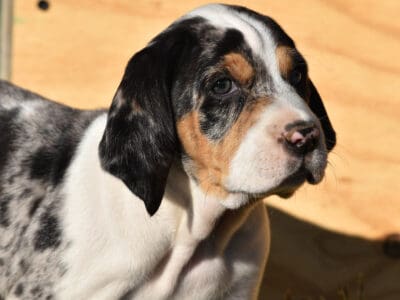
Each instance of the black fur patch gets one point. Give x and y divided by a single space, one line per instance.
19 290
232 41
7 135
50 163
139 145
299 65
23 265
7 138
4 205
35 205
318 108
277 32
36 291
49 233
218 115
41 165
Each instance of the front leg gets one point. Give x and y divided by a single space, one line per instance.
247 255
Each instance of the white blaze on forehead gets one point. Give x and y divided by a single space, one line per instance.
256 34
223 17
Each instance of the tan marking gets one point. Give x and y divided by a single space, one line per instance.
285 61
136 107
239 67
211 160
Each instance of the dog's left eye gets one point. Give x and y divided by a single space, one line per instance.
295 77
223 86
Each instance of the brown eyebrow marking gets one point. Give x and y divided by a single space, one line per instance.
284 55
239 67
289 59
136 107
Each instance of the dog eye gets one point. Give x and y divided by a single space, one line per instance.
223 86
295 77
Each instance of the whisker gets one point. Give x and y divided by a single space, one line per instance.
343 157
332 169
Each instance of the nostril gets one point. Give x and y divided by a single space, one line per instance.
295 137
310 132
302 138
307 130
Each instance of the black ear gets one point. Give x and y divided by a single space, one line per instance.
140 142
317 106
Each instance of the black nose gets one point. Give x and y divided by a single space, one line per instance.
301 137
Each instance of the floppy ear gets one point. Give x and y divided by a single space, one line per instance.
316 105
140 141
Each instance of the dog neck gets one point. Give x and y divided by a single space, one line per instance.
202 216
194 211
190 224
202 211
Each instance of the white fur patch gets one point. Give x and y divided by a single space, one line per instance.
109 229
115 246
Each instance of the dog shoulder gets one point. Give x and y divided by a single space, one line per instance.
38 139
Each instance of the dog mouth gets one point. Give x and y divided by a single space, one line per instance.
299 171
291 183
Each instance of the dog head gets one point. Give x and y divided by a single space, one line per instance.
225 90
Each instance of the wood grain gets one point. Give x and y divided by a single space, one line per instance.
325 237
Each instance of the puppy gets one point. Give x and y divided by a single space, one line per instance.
160 196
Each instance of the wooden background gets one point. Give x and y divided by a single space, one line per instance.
327 240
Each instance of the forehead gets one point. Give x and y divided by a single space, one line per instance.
261 33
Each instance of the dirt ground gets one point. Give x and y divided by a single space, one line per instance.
76 52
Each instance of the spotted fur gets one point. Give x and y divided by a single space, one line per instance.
36 149
73 182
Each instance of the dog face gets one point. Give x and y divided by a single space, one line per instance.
226 91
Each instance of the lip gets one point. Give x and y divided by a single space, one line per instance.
311 169
304 172
297 178
291 183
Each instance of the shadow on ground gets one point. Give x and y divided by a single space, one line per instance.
309 262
